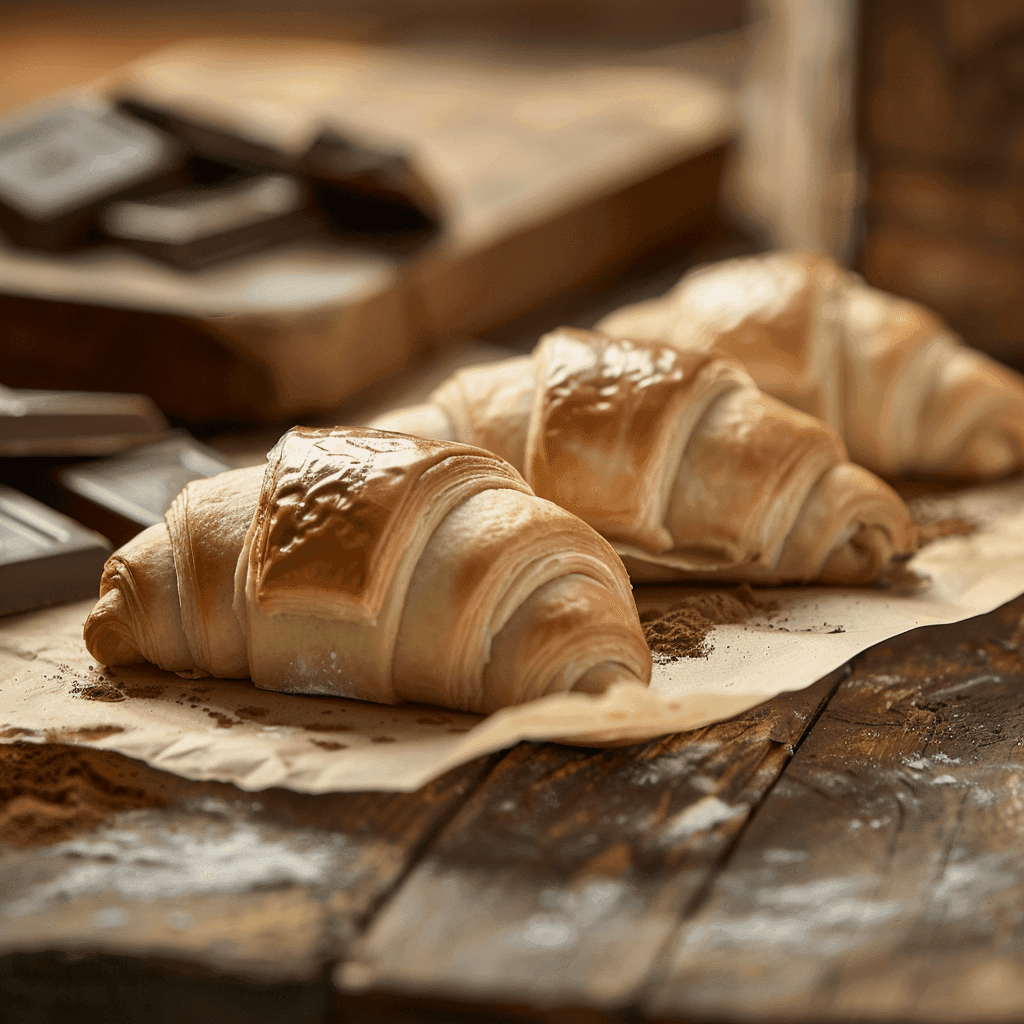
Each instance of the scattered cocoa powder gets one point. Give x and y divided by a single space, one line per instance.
147 690
955 527
223 721
253 712
105 692
326 727
95 732
50 792
329 744
903 581
681 631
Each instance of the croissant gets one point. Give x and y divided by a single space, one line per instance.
904 393
677 458
376 566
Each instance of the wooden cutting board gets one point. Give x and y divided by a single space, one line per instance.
552 174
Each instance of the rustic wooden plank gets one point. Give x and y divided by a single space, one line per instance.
263 888
939 137
883 877
565 873
51 987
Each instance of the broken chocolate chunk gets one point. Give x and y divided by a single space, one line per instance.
199 225
364 189
75 423
210 143
121 496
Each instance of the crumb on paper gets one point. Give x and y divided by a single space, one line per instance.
329 744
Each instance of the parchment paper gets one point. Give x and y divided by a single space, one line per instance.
231 731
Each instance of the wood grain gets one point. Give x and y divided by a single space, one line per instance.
566 872
882 878
266 886
976 288
942 138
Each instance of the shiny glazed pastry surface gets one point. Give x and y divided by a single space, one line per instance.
377 566
677 458
904 393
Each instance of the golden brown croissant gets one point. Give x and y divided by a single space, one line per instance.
376 566
677 458
903 392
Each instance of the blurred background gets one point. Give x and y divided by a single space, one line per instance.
626 127
584 153
888 135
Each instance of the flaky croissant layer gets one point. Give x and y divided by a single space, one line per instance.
376 566
677 458
904 393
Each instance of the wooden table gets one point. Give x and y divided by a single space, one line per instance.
851 851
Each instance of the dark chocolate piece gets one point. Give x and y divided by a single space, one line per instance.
122 495
196 226
45 558
368 190
59 168
363 189
75 423
209 143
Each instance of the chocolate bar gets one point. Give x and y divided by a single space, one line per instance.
45 557
59 167
75 423
195 226
122 495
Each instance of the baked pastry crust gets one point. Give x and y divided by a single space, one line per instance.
904 393
678 459
378 566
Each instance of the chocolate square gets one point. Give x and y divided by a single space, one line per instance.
75 423
122 495
202 224
368 190
59 167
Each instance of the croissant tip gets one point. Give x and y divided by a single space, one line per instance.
991 456
107 631
600 678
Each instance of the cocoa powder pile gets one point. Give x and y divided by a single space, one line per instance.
681 631
50 792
